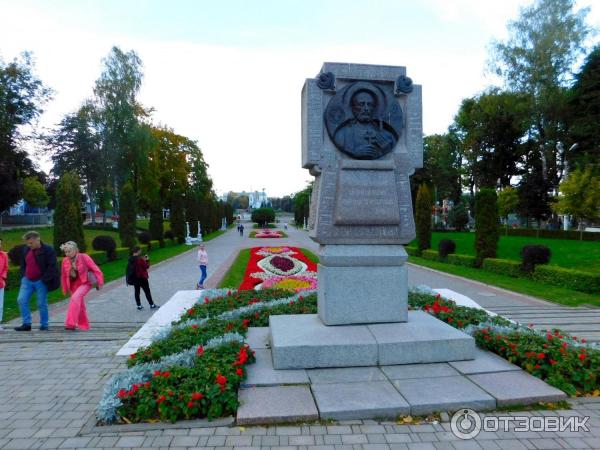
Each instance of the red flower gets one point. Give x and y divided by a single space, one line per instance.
199 350
583 341
300 298
221 380
166 374
190 312
537 366
552 362
239 372
564 345
582 356
132 356
245 323
157 373
170 393
190 405
228 327
450 320
197 396
228 293
292 303
122 393
574 338
530 325
161 399
147 384
206 300
541 355
195 327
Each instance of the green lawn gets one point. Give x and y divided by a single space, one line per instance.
10 238
235 275
521 285
112 271
582 255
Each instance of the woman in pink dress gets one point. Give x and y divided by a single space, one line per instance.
79 273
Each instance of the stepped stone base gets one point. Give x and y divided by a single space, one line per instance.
304 342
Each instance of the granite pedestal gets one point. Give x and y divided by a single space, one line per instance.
304 342
362 284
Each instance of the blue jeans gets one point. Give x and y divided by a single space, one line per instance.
25 293
203 277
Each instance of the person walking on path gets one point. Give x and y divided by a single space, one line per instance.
39 274
202 262
3 276
241 229
78 275
141 266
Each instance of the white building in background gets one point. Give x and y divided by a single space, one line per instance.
257 199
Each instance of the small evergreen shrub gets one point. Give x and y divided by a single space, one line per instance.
446 247
16 253
412 251
532 255
144 237
107 244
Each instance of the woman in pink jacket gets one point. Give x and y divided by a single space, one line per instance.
3 275
79 273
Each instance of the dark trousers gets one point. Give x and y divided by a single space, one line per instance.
143 284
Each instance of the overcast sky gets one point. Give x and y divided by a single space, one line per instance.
229 73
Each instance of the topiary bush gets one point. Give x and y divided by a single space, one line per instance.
446 247
423 206
107 244
486 224
532 255
16 253
144 237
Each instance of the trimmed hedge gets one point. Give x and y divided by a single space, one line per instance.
412 251
122 252
568 278
431 255
461 260
154 244
99 256
503 267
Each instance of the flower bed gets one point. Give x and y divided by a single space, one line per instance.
281 268
194 367
563 361
266 233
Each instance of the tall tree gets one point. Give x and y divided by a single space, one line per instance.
22 96
75 145
34 193
508 200
490 127
585 104
538 59
119 112
68 220
534 191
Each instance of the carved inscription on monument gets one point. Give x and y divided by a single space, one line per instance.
366 197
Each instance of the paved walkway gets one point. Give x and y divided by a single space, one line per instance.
52 381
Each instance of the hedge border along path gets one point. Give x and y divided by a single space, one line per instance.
227 322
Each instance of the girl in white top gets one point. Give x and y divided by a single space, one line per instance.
202 262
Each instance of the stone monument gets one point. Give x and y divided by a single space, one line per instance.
361 140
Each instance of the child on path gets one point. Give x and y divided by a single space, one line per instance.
202 262
141 266
3 276
79 273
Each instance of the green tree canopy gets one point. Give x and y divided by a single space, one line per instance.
580 195
22 96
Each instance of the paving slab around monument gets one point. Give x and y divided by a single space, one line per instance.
351 393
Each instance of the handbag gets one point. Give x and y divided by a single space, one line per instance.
91 277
